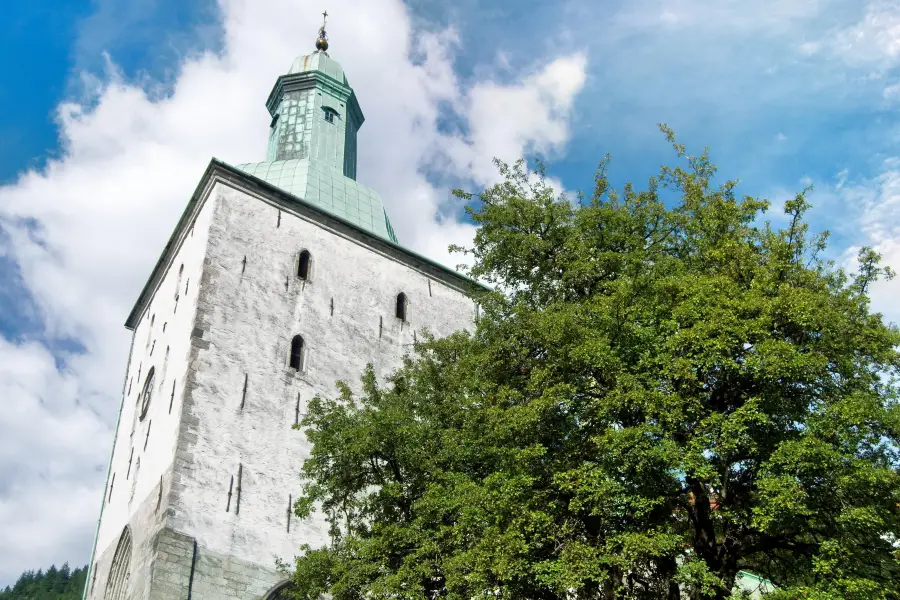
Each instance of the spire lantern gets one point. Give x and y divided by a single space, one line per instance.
322 41
312 141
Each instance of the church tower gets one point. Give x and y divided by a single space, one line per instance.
280 278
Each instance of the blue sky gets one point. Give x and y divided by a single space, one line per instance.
50 47
110 110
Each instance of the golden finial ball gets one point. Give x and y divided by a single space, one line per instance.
322 44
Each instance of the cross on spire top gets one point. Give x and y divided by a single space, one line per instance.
322 42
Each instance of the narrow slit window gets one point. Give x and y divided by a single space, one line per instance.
401 306
178 282
297 353
165 367
303 265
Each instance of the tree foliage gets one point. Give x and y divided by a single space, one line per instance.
662 395
52 584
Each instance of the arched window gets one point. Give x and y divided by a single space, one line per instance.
147 392
120 570
297 353
401 306
279 592
330 113
303 265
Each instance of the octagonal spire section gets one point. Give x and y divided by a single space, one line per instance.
312 143
315 114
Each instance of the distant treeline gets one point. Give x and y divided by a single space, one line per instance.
52 584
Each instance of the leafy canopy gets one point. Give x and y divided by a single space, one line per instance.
662 397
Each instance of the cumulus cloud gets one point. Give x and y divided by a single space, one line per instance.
871 44
505 119
874 39
737 16
87 229
862 210
858 210
50 448
878 200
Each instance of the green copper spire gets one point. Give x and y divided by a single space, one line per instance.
312 141
314 112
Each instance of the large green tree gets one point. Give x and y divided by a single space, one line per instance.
665 391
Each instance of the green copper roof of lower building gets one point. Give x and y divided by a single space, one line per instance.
328 189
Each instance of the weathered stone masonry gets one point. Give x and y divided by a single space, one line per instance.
207 511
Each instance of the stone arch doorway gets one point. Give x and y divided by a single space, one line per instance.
279 592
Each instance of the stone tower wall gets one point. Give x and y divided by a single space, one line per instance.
208 509
302 131
243 398
144 450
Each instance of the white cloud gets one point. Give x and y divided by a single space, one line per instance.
877 202
131 161
891 93
530 115
872 42
841 177
876 37
859 211
735 15
49 446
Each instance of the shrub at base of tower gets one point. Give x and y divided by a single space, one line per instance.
663 397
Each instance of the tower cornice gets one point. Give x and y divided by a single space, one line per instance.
314 80
219 172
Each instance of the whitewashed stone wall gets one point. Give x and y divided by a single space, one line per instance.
251 305
235 398
149 444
